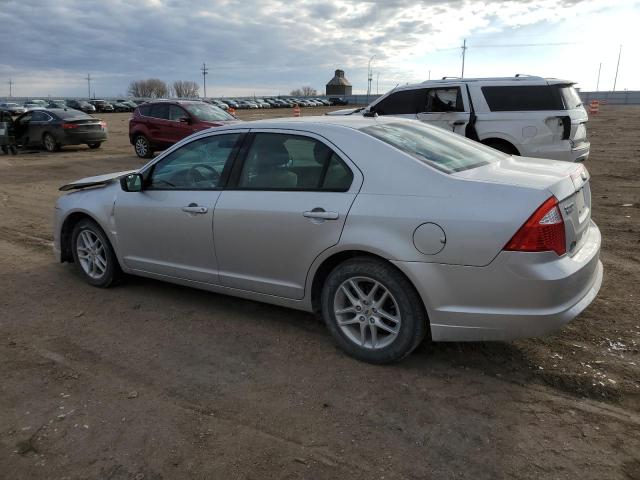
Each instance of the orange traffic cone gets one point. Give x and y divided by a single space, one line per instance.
232 111
296 110
594 107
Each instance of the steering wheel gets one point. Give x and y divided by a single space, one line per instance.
195 176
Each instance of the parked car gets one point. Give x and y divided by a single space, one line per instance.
32 106
309 219
231 103
338 101
221 105
121 107
262 103
522 115
81 105
57 104
12 108
54 127
158 125
130 103
246 104
102 105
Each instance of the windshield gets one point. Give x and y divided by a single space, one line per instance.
445 151
570 97
207 112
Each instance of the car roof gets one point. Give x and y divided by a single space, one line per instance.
489 80
312 122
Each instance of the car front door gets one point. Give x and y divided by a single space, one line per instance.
447 108
287 202
159 125
401 103
167 228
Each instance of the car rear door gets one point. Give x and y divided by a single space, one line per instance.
446 107
167 228
287 202
159 125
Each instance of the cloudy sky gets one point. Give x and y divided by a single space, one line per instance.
47 47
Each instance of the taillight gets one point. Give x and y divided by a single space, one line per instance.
543 232
68 126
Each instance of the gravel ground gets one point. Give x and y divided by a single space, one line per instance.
152 380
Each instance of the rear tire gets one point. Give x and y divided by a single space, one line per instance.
94 145
384 301
502 146
142 147
50 143
93 255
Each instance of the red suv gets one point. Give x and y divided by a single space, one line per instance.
158 125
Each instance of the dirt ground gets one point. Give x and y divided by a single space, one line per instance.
155 381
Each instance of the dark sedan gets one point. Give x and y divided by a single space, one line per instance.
55 127
81 105
102 105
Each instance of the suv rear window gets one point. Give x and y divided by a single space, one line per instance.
445 151
521 98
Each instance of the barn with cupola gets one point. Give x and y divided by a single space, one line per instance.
339 85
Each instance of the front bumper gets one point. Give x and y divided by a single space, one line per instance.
518 295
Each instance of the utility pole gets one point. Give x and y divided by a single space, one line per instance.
10 87
615 80
88 79
429 75
378 83
464 52
369 78
205 72
598 82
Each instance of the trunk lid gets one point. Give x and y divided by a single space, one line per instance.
568 182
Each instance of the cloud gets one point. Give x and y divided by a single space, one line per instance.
266 45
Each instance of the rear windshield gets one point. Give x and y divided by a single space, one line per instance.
77 114
445 151
207 112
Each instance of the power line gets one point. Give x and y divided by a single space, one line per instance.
205 72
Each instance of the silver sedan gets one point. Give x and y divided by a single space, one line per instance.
390 229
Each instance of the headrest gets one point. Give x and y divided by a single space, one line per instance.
272 155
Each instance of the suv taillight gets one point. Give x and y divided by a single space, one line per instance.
543 232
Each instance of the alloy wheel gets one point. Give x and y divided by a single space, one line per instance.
91 254
141 146
367 313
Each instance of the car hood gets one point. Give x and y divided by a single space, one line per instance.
94 181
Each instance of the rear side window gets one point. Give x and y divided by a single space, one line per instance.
402 102
521 98
444 100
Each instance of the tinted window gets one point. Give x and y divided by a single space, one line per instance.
195 166
176 113
144 110
402 102
522 98
443 150
40 117
159 110
444 100
292 162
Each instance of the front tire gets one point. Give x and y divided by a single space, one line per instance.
142 147
372 311
50 143
93 254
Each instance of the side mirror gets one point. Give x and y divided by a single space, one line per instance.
131 182
186 120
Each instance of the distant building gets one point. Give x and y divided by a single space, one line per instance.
339 85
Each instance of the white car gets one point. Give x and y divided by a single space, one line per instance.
521 115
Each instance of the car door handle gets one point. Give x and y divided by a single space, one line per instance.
321 214
194 208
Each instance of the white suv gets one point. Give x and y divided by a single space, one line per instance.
521 115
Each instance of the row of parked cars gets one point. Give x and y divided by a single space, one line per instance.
128 105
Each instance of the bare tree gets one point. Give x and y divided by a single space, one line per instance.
150 88
185 89
304 92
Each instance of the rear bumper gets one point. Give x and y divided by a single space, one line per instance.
77 138
566 151
517 295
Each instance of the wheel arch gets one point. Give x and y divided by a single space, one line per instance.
327 264
66 230
501 141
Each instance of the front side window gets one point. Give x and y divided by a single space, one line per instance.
403 102
444 100
176 113
278 161
442 150
195 166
